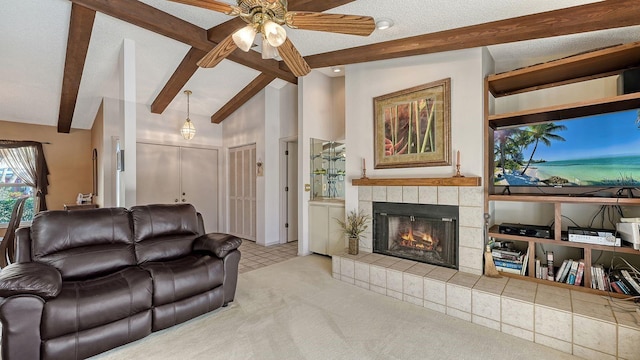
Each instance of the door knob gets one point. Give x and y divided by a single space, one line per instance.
176 200
183 200
183 194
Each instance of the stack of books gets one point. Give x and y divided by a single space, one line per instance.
571 272
621 281
510 261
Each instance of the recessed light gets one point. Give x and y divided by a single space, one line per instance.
336 69
384 24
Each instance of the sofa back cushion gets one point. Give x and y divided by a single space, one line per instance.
163 232
83 243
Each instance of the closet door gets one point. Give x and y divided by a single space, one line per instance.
157 174
199 179
242 192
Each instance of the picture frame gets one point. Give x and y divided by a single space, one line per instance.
412 127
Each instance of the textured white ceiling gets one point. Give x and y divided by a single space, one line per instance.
33 37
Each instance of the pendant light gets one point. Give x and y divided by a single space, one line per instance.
188 131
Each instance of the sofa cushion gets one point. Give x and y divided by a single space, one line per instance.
30 278
86 304
217 243
83 244
163 232
184 277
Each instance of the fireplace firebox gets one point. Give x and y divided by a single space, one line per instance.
424 233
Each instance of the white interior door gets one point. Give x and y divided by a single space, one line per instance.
242 192
199 180
157 174
292 191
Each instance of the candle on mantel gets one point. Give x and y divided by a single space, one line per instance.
458 158
364 164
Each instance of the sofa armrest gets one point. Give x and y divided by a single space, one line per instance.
217 243
30 278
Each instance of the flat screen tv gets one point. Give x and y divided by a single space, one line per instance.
595 151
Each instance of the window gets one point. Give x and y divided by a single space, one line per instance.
12 188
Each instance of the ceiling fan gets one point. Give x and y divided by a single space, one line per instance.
266 17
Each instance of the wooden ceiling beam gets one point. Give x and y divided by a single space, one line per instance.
242 97
80 28
578 19
160 22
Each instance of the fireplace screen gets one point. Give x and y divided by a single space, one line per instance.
425 233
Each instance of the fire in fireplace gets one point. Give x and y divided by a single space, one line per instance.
425 233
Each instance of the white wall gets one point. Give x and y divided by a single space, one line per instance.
318 104
365 81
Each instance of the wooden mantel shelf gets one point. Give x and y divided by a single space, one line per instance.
448 181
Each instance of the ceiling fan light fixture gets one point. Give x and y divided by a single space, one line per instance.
244 37
274 33
384 24
188 131
268 51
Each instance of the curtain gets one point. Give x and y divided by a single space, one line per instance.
27 160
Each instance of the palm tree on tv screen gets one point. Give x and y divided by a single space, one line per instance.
544 133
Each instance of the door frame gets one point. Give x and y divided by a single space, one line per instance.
282 184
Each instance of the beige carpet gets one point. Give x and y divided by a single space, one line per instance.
296 310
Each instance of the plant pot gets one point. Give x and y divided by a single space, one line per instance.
354 245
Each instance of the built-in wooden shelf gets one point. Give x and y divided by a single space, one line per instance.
449 181
581 67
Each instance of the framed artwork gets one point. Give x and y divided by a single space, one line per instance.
413 127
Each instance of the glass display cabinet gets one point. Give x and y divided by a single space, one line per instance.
327 169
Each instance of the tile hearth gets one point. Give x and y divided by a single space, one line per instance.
586 325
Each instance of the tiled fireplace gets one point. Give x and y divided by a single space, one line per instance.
587 325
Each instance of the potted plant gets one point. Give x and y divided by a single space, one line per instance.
353 227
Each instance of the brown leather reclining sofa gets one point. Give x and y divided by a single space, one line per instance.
91 280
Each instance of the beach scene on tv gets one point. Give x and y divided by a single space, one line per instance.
599 150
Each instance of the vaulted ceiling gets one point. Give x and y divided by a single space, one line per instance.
59 58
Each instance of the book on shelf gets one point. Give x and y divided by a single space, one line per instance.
561 270
633 282
538 272
512 264
571 279
506 254
525 261
580 273
550 270
543 272
508 270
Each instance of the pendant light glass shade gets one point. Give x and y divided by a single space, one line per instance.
244 37
188 131
275 34
268 51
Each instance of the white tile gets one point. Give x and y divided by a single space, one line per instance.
471 216
394 281
428 195
628 342
347 267
590 354
594 334
362 272
410 194
486 305
471 237
412 300
492 324
394 194
553 323
553 343
362 284
379 193
470 258
458 314
347 279
378 276
459 298
448 195
413 285
435 291
394 294
435 307
366 207
335 264
518 332
471 196
517 313
378 289
364 193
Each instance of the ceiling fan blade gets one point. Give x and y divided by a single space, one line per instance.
212 5
218 53
337 23
293 59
